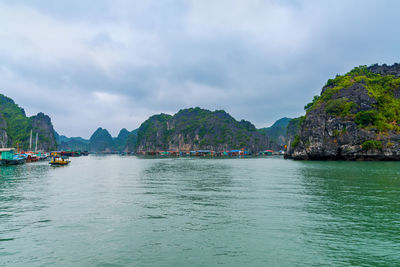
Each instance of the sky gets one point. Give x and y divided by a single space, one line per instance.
112 64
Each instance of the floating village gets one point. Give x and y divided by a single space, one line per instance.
15 156
12 156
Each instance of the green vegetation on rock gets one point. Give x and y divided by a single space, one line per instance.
18 125
339 107
381 88
372 144
367 118
15 127
296 141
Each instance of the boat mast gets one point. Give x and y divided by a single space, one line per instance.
36 142
30 142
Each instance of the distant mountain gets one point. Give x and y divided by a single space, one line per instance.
60 138
71 143
101 140
15 127
196 128
63 139
119 143
277 133
75 144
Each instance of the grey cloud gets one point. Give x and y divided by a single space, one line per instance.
119 62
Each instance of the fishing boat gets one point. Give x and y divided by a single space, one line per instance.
8 157
30 157
59 161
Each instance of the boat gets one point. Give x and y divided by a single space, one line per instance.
31 157
8 157
59 161
266 153
43 156
70 153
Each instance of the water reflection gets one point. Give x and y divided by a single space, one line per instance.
352 203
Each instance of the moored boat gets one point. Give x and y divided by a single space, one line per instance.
59 161
30 157
8 157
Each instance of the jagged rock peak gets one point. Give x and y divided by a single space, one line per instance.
385 69
123 133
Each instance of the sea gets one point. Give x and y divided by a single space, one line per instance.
130 211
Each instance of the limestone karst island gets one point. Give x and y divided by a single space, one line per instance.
356 117
199 133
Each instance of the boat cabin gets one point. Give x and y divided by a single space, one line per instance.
205 153
7 153
266 153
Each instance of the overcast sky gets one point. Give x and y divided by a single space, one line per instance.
112 64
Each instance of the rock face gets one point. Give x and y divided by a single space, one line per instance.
42 125
195 128
15 127
356 117
3 132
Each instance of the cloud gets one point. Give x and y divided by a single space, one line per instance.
268 25
115 63
28 35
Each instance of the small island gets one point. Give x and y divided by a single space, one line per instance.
356 117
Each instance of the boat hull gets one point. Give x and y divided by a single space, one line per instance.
12 161
58 163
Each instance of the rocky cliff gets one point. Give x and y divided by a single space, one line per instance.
356 117
195 128
42 125
15 127
3 132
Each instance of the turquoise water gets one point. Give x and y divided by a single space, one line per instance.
128 211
